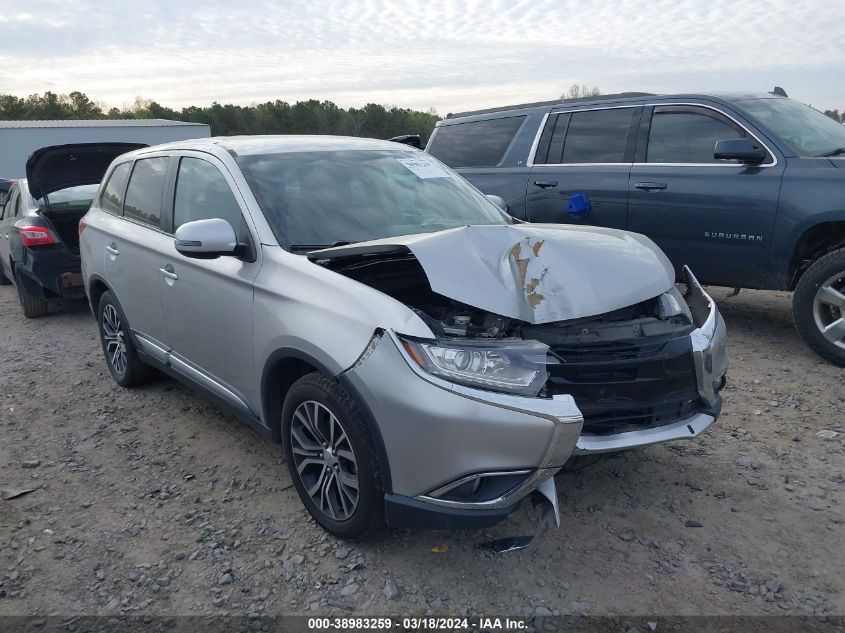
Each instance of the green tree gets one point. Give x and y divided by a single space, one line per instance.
272 117
834 114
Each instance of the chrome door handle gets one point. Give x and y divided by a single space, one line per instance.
545 184
168 273
651 186
112 250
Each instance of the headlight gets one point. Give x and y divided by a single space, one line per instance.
509 365
673 304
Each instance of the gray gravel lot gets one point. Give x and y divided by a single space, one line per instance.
152 501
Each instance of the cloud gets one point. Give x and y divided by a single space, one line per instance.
419 53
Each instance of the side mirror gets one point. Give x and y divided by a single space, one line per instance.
499 202
740 149
206 239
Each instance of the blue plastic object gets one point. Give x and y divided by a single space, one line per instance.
579 206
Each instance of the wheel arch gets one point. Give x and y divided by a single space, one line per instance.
97 287
287 365
815 242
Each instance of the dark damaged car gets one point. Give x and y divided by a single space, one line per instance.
425 359
39 238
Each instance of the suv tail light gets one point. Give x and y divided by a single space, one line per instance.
35 236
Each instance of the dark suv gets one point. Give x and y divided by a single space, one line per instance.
748 190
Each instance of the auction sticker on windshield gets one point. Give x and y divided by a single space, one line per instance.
423 168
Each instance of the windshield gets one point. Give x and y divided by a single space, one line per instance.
324 198
808 131
79 196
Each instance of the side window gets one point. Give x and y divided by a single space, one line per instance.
111 199
13 204
143 195
687 135
202 193
475 144
596 136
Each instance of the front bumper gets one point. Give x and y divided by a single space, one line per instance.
453 449
709 354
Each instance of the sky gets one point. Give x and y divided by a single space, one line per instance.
420 54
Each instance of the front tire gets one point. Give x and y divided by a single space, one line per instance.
4 281
121 356
33 306
331 457
818 307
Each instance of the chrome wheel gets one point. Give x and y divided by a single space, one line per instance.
113 337
324 460
829 310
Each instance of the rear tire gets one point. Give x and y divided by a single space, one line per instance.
331 457
33 306
818 307
4 281
118 348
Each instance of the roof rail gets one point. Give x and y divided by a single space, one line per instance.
537 104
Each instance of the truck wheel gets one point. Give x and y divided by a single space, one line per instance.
331 457
818 307
124 365
33 306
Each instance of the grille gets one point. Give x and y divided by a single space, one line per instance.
627 385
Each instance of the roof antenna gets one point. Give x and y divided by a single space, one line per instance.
779 92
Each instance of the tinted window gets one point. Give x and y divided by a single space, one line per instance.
11 205
78 196
112 198
686 137
321 198
475 144
809 131
143 195
201 193
597 136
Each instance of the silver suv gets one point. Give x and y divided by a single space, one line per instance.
423 358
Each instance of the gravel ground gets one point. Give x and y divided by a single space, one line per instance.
152 501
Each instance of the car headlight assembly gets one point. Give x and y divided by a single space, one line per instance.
672 304
506 365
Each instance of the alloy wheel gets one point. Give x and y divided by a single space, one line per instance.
113 336
324 460
829 309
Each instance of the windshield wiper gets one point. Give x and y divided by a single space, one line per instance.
834 152
307 248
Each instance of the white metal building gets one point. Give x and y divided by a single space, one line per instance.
18 139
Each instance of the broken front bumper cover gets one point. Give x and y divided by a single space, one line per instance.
709 350
459 457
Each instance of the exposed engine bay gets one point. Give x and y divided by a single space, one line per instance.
401 276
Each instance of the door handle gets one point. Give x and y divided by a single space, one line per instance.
168 273
545 184
651 186
112 250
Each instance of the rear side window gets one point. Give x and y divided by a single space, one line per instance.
202 193
596 136
475 144
678 136
143 195
112 198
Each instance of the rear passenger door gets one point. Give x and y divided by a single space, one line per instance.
133 245
208 302
580 167
716 216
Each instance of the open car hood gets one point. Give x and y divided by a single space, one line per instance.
538 273
57 167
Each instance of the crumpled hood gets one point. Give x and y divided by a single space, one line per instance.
538 273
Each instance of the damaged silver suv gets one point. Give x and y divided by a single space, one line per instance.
424 359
